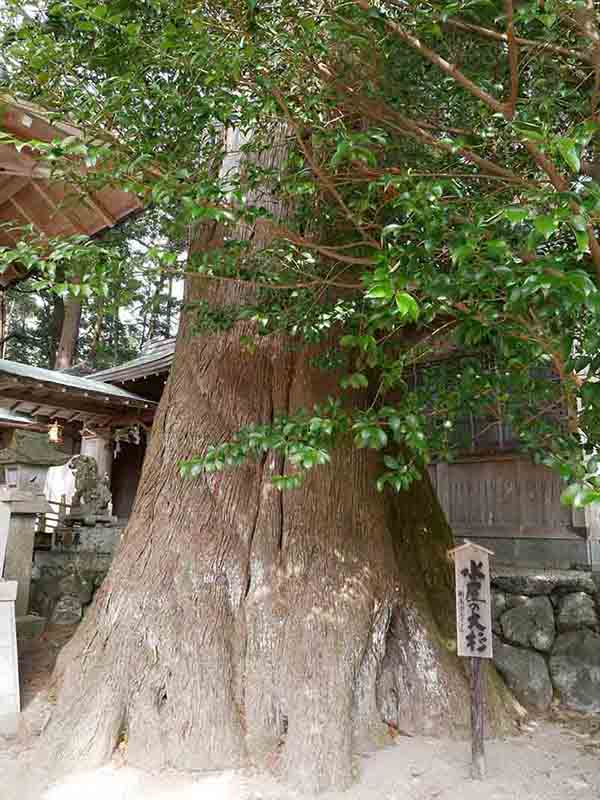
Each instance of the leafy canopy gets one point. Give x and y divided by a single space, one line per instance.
441 182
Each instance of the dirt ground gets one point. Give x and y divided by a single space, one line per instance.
555 758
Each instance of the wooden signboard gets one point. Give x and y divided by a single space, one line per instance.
474 633
473 601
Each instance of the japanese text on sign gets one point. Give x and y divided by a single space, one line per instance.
473 612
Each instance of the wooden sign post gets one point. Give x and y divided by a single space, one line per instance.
474 633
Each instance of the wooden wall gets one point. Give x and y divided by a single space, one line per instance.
504 497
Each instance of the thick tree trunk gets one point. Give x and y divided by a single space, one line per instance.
238 623
241 623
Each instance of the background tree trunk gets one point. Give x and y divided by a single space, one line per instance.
154 324
56 325
97 333
69 334
57 319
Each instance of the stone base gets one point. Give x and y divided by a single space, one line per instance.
87 517
65 581
93 538
30 626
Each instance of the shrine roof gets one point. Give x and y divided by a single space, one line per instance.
11 418
155 359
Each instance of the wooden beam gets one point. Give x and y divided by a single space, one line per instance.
12 159
96 206
42 173
45 411
25 214
6 384
13 186
55 208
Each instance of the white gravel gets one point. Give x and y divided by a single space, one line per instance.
547 763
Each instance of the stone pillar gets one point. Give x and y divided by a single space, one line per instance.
3 539
592 518
100 447
18 512
10 704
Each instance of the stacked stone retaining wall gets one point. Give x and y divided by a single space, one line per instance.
547 637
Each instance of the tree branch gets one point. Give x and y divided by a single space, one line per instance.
445 66
557 180
561 184
261 285
409 127
323 177
544 47
586 17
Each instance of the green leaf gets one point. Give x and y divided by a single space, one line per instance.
516 214
390 230
569 496
357 380
568 150
582 241
381 291
407 305
544 225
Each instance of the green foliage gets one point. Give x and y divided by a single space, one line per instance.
439 241
304 440
120 281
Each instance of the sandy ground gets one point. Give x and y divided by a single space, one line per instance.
552 759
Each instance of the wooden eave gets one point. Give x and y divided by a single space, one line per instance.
47 401
28 195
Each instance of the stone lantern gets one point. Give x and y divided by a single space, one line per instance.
25 458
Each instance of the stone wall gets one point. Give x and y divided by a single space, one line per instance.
66 577
547 637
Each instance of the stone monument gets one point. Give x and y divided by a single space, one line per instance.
92 501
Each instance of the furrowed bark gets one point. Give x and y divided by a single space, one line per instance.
237 622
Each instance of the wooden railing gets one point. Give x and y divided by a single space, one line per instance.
47 523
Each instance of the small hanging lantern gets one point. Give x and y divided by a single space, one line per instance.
55 433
